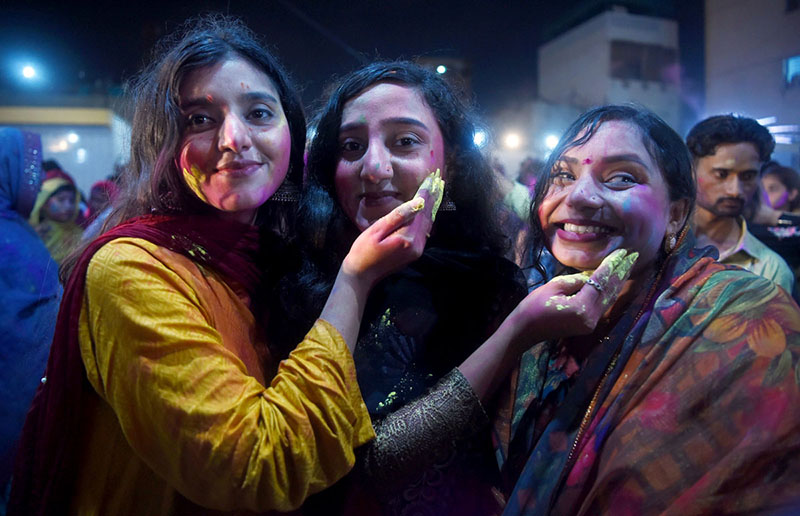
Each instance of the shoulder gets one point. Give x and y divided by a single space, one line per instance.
771 265
125 261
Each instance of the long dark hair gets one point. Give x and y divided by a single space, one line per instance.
471 184
325 229
151 183
665 146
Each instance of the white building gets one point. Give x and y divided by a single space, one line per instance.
753 66
614 58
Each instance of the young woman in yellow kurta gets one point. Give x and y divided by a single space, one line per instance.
160 395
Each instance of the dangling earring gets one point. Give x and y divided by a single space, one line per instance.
447 202
287 192
670 242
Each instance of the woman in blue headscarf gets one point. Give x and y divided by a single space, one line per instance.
29 289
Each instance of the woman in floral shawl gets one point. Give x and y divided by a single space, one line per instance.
685 398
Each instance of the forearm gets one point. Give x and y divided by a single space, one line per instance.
409 438
345 306
488 365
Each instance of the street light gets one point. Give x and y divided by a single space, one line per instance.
479 138
441 69
512 140
551 141
28 71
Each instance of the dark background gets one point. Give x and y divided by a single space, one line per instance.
93 47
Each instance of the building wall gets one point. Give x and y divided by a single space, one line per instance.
747 42
86 142
575 68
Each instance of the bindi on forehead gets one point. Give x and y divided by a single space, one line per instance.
588 161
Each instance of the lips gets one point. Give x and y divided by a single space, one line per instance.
239 168
378 199
579 231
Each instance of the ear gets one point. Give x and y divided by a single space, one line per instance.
678 213
792 195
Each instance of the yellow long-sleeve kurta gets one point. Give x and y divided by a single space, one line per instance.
182 410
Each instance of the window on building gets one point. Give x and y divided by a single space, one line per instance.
638 61
791 71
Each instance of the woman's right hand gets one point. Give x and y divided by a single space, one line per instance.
398 238
573 304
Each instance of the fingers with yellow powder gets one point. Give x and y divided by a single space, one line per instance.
565 306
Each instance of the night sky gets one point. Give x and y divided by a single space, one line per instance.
94 46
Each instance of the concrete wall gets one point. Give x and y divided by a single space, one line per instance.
574 69
747 42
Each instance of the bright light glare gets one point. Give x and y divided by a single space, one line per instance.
767 120
512 140
73 138
479 138
81 155
551 141
441 69
28 72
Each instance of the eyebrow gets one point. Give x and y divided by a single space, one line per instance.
608 160
394 120
249 95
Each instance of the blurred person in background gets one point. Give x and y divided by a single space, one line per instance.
56 215
728 152
101 196
781 187
29 291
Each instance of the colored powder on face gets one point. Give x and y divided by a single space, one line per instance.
194 180
587 161
209 98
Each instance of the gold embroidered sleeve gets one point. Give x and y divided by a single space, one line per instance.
407 438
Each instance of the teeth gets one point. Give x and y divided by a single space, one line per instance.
574 228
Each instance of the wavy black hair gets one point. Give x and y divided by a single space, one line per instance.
704 138
665 146
328 233
471 184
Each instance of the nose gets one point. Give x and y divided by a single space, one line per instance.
234 135
377 163
734 187
585 193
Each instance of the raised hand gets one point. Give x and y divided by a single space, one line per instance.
397 238
573 304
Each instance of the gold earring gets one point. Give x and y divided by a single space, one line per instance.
670 242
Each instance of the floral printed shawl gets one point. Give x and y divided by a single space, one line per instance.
699 412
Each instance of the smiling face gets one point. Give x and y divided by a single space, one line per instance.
727 179
235 148
608 194
390 141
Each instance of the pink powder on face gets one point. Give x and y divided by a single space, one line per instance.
209 98
587 161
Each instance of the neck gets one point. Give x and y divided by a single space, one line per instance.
710 229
